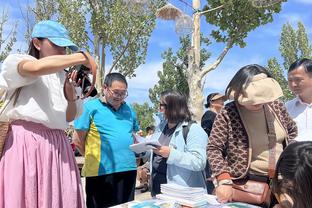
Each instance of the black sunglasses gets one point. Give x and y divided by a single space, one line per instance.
162 105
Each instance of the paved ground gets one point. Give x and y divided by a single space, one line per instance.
141 196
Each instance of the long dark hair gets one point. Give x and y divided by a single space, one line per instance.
176 106
32 50
294 174
242 78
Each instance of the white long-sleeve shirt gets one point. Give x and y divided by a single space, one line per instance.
302 114
41 99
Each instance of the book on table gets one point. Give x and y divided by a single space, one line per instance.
187 196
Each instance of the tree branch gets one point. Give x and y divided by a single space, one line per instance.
213 66
210 10
120 55
92 42
103 58
124 49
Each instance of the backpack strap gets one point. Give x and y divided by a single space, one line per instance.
186 129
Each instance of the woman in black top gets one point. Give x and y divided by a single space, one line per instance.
215 102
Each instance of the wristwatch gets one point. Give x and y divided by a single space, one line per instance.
225 182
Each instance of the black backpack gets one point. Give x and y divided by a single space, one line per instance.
186 129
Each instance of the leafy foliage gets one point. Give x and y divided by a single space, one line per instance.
294 44
125 31
72 14
237 18
173 76
44 9
144 114
105 25
230 25
7 41
277 72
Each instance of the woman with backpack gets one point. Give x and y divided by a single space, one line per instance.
181 158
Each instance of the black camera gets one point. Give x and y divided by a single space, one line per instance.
85 84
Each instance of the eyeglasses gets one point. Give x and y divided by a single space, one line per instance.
162 105
118 94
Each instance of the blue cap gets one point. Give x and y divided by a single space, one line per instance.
55 32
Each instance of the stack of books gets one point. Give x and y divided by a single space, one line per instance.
186 196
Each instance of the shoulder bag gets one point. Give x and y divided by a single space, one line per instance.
253 191
5 125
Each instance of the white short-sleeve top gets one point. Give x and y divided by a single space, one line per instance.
41 99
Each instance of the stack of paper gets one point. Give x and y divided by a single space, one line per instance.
144 145
187 196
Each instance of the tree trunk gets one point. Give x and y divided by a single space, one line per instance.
194 74
98 83
196 99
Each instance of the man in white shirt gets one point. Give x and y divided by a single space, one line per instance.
300 108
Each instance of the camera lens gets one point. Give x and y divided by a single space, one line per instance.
86 87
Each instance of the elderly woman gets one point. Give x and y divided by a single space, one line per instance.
240 146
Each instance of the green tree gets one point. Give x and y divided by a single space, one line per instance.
173 75
277 72
7 40
230 25
112 27
144 114
294 44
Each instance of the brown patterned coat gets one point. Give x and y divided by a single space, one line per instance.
228 148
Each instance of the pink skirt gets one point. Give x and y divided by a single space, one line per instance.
38 169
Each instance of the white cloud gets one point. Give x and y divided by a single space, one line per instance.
217 80
165 25
161 42
146 78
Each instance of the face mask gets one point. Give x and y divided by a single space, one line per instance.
159 118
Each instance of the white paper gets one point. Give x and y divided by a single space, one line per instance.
138 138
182 201
144 146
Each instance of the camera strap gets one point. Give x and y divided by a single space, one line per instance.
92 68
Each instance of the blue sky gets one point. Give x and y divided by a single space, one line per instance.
262 44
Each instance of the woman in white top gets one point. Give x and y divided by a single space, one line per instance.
38 168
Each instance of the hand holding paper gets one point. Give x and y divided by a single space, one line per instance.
144 146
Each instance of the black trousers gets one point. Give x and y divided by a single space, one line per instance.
110 190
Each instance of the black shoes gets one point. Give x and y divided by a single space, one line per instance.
144 189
